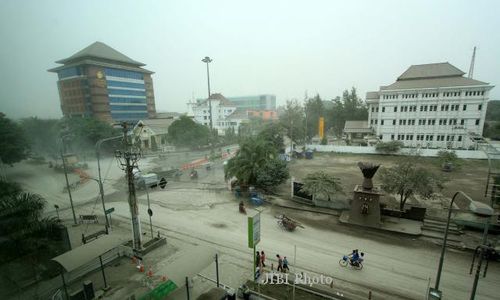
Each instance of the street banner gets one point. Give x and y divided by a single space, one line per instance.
253 230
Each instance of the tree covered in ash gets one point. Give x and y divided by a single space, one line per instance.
44 135
322 185
408 178
14 144
257 164
26 235
185 132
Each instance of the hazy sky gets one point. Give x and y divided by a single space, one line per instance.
278 47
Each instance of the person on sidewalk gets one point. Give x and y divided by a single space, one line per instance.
285 265
257 259
263 259
280 263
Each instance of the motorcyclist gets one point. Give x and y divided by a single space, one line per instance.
361 258
354 257
242 207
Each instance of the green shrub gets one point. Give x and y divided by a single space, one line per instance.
389 147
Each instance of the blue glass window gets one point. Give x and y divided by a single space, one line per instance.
70 72
123 73
126 100
113 83
128 107
126 92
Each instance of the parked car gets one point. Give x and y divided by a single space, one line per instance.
142 181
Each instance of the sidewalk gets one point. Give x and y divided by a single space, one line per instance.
391 224
292 204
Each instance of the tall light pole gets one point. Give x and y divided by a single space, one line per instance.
208 60
436 293
101 188
66 176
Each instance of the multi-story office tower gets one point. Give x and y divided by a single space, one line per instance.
101 82
430 105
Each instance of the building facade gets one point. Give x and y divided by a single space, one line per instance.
265 115
152 133
258 102
431 106
224 114
101 82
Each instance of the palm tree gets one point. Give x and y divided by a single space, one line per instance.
321 184
253 155
22 228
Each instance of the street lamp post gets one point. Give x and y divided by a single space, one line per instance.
101 188
66 177
483 247
445 238
101 193
57 211
208 60
150 212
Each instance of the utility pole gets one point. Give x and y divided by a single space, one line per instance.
128 160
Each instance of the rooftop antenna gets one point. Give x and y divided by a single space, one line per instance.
471 68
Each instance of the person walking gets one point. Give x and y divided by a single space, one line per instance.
285 265
263 259
280 263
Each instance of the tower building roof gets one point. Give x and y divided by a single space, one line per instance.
101 51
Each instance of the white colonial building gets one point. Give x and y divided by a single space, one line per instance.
224 114
431 105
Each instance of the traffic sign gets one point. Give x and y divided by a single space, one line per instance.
150 212
110 210
163 183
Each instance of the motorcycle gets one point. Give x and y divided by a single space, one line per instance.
193 174
346 261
